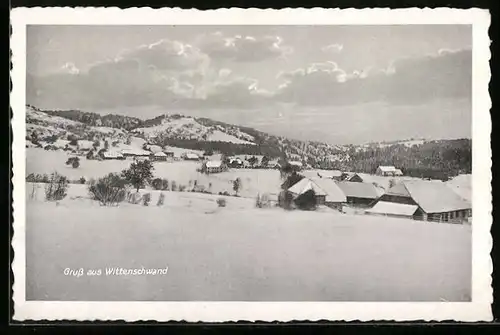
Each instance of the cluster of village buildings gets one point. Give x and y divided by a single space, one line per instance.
416 199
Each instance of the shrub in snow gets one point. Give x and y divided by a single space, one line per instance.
56 188
182 188
74 162
173 186
221 202
160 184
108 190
306 201
146 199
82 180
161 199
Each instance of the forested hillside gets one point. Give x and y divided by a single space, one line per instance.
439 159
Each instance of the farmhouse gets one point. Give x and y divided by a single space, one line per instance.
160 156
306 184
359 193
111 155
135 153
423 200
388 171
188 156
213 167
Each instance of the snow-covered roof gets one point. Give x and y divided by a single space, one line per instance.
358 190
135 152
112 154
384 168
213 164
154 148
160 154
191 155
333 191
398 172
435 196
385 207
295 163
305 185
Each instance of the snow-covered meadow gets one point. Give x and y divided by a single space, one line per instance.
238 252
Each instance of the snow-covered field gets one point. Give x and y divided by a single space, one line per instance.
253 181
238 253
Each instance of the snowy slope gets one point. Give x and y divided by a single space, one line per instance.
187 128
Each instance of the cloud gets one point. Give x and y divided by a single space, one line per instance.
167 55
243 48
165 73
405 81
332 48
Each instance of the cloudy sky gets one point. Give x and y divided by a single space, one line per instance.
341 84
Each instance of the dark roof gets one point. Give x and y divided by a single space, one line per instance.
358 190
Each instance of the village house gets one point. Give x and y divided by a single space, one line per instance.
135 153
423 200
111 155
213 167
189 156
359 193
160 156
304 185
388 171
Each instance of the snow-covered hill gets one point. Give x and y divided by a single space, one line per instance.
188 128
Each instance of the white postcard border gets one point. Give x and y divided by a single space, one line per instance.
477 310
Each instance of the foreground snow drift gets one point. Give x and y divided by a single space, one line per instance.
239 253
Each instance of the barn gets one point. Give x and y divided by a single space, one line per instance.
423 200
306 184
359 194
388 171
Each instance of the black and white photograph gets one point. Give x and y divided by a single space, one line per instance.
255 162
